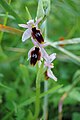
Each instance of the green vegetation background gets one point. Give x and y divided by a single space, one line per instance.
17 76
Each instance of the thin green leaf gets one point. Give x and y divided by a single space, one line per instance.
9 9
9 16
76 75
30 115
6 87
31 100
74 94
73 57
4 28
4 23
28 14
69 41
40 10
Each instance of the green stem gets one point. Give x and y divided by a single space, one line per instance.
45 101
45 85
37 103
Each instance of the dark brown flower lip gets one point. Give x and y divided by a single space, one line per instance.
35 56
36 34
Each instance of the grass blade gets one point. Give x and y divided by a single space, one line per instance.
28 14
69 41
40 10
6 87
8 8
31 100
73 57
9 16
10 29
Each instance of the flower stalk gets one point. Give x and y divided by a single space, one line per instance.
45 101
37 101
45 86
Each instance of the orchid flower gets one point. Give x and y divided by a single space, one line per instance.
48 63
43 54
30 25
34 55
49 71
37 52
48 59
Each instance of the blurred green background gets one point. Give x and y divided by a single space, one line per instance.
17 76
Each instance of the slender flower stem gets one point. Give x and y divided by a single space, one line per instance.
37 96
45 85
45 101
37 103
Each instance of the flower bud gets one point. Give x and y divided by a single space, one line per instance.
46 6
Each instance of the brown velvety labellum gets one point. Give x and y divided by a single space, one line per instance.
36 34
35 56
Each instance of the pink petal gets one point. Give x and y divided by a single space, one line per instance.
34 42
30 22
44 44
26 35
23 25
51 75
37 21
52 57
44 54
49 65
38 44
